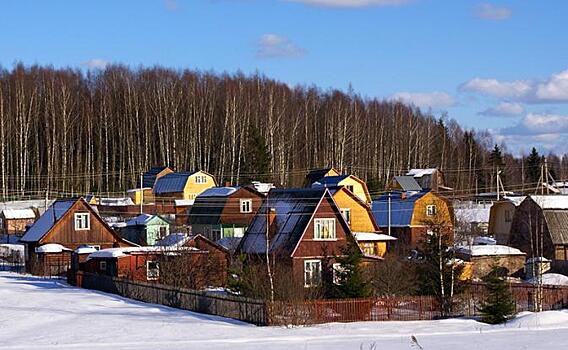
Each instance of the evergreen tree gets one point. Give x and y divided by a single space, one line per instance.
534 161
499 305
257 158
496 157
349 280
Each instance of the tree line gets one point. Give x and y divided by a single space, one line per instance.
68 131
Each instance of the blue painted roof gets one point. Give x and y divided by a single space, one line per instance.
45 222
329 181
149 177
140 220
401 210
172 183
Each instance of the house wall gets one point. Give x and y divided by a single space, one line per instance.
232 211
193 189
16 226
136 196
362 219
358 188
526 228
444 215
499 227
49 264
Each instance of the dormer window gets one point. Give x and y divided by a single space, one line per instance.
82 221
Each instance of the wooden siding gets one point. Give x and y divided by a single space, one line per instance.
444 213
362 219
16 226
193 189
359 188
232 211
499 227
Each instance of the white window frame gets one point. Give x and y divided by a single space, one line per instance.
102 265
431 210
348 216
157 275
336 267
76 221
200 179
247 203
319 224
310 279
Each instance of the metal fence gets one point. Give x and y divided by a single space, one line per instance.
239 308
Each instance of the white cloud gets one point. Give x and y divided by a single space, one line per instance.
493 12
555 89
432 100
351 3
539 124
504 109
501 89
275 46
95 63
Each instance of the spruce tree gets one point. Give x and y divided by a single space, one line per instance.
350 280
257 162
499 305
533 166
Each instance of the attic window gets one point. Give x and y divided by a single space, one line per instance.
324 229
152 270
82 221
346 212
431 210
200 179
349 187
246 205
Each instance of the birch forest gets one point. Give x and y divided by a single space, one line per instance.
68 132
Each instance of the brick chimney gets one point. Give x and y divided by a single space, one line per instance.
271 223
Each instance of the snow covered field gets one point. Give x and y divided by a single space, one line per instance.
40 313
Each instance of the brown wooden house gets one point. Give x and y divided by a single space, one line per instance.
15 221
305 228
68 224
222 212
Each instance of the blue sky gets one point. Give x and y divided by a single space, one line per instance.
497 65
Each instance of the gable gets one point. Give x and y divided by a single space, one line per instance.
359 187
362 219
444 212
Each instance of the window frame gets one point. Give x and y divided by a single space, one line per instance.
247 201
88 221
348 217
311 263
102 265
431 210
157 276
318 222
200 179
336 268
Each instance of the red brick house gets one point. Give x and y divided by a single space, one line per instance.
66 225
305 230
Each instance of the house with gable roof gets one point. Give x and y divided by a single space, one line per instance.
350 182
145 229
182 187
64 227
316 174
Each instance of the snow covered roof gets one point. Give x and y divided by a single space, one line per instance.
537 259
12 214
85 250
141 219
45 222
481 240
51 248
372 237
421 172
218 192
134 190
516 200
555 279
183 202
173 240
551 201
116 201
484 250
119 252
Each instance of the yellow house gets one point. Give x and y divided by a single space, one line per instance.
350 182
182 185
360 219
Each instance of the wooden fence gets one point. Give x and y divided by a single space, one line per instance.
396 308
239 308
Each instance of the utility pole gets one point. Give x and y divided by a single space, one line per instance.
269 270
389 214
46 199
141 193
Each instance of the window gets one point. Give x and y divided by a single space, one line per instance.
246 205
312 273
349 187
324 229
103 266
200 179
152 270
346 214
215 235
508 217
370 248
431 210
82 221
163 232
337 270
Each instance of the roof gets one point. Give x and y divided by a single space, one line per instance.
516 200
316 174
293 211
45 222
143 220
173 240
51 248
407 183
330 181
401 209
551 201
209 205
13 214
229 243
218 192
372 237
421 172
172 183
489 250
557 223
124 251
149 177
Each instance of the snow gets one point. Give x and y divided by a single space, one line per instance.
13 214
218 192
472 214
483 250
119 252
173 240
141 219
119 202
555 279
47 314
481 240
51 248
551 201
372 237
421 172
516 200
85 250
537 259
184 202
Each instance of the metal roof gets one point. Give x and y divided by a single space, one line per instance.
407 183
144 219
401 208
172 183
149 177
557 222
45 222
329 181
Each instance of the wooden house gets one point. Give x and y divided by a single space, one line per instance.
144 191
145 229
360 219
184 186
350 182
429 179
68 224
501 217
316 174
481 259
540 228
409 216
221 212
15 221
305 229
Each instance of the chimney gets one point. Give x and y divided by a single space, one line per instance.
227 184
271 222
